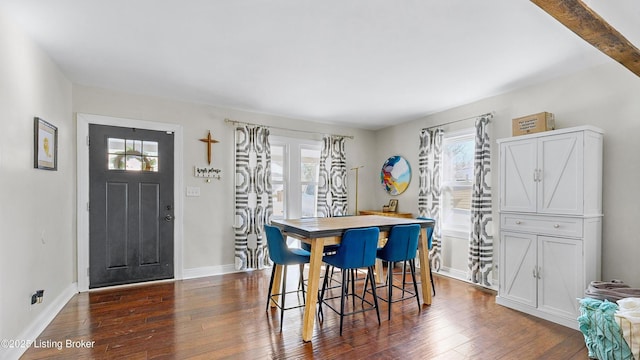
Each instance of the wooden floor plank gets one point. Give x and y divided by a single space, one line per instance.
223 317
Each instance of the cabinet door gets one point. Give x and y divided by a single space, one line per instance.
517 171
560 273
560 174
517 277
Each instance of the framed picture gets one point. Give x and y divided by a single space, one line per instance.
393 205
395 175
45 145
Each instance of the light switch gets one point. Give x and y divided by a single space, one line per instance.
193 191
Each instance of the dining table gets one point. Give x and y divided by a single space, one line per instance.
319 232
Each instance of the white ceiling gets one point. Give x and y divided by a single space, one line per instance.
360 63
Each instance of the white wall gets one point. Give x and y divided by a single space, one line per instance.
38 215
37 211
208 219
605 97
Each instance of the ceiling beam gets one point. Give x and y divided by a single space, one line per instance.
587 24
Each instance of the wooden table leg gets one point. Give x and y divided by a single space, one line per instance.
379 269
382 240
425 268
315 266
277 285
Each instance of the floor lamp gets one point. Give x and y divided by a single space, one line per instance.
356 169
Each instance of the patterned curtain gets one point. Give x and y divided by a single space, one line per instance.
429 159
481 237
332 178
254 204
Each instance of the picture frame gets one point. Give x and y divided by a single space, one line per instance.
393 205
45 145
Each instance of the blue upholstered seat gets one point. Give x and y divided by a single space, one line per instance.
357 249
280 254
402 245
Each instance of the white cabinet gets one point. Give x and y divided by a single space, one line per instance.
543 273
552 174
550 221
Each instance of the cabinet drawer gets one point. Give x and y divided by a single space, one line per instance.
547 225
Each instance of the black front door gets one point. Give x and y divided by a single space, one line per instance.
130 205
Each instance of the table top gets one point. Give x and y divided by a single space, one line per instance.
335 226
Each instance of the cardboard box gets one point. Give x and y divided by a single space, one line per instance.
533 123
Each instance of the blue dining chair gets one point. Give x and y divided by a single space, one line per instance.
402 245
280 254
357 250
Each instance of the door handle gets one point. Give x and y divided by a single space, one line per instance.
168 218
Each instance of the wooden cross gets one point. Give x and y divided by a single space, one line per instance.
209 141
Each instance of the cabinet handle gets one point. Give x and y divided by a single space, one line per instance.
556 226
537 175
535 276
518 222
539 271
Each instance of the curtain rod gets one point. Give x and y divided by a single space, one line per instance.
455 121
281 128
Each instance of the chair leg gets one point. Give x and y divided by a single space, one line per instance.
284 291
404 274
345 287
324 287
273 275
373 290
364 289
412 266
331 278
390 286
301 284
353 286
433 285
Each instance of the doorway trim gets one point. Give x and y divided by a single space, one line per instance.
82 196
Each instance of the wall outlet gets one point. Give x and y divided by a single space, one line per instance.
193 191
37 297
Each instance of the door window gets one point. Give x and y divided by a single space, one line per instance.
132 155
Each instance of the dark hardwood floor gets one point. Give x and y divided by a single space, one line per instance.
223 317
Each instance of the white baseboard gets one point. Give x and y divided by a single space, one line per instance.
453 273
208 271
462 276
43 320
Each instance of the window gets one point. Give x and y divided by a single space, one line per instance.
286 174
457 181
132 155
309 168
